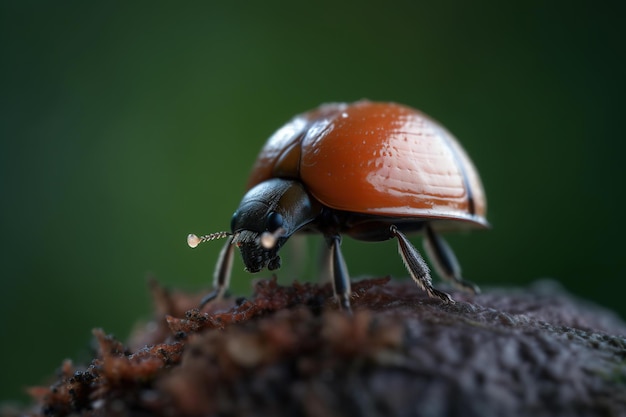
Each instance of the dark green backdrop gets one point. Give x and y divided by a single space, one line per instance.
123 128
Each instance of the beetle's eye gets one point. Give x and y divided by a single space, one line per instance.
274 221
233 220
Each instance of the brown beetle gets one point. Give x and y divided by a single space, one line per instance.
372 171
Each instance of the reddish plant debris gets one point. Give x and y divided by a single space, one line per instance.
115 370
288 351
270 297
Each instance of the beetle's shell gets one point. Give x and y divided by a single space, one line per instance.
376 158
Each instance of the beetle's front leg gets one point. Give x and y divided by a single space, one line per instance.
221 276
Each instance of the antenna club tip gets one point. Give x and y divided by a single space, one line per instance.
268 240
193 240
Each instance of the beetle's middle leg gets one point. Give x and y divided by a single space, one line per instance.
338 272
416 266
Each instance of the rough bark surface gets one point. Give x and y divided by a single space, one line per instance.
287 351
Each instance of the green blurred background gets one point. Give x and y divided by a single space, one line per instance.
125 127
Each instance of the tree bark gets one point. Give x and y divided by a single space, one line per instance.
287 351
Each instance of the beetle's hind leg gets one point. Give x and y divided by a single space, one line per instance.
416 266
445 262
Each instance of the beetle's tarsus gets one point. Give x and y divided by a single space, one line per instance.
344 303
208 298
443 296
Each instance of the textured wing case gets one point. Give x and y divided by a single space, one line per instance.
376 158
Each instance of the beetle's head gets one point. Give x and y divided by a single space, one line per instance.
259 233
268 214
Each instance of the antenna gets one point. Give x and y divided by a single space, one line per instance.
269 239
194 240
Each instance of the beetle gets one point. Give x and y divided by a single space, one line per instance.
370 170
